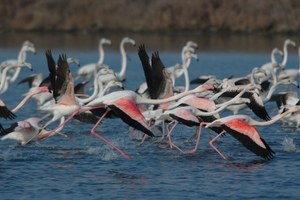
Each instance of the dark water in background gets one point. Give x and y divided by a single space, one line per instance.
86 168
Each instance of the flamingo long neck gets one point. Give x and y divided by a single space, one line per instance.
185 66
95 92
28 96
233 100
121 74
15 75
3 76
252 78
275 118
104 89
141 100
273 59
273 87
186 63
22 55
101 53
285 54
186 78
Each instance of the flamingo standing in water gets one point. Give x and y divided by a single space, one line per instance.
88 69
109 74
291 74
26 47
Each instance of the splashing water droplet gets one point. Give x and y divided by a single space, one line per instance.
289 145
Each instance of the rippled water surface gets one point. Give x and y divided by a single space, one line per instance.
84 167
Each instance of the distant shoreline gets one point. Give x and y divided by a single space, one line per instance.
154 16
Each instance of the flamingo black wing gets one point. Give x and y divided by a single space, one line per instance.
79 88
6 113
266 153
146 66
158 79
62 74
29 79
52 71
256 105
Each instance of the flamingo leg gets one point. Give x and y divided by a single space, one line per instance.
192 137
211 144
106 141
62 124
198 139
48 123
169 136
163 133
143 140
45 116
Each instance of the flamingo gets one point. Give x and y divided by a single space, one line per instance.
123 104
291 74
284 101
88 69
36 80
27 46
268 67
25 131
33 80
6 80
121 75
63 92
242 127
198 110
158 79
62 87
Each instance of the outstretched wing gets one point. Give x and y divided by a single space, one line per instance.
158 78
52 71
146 66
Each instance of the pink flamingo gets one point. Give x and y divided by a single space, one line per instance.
123 104
25 131
242 127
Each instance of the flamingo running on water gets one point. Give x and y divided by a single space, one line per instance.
242 128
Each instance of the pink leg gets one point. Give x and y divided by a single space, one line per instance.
169 135
48 123
198 139
211 144
103 139
45 116
46 135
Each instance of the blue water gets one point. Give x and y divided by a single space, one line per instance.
84 167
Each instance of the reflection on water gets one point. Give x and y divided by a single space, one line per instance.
247 166
207 42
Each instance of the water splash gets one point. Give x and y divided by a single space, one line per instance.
105 153
289 145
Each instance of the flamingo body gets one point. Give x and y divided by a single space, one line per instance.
249 137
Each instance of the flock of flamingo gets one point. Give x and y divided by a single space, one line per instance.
158 102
